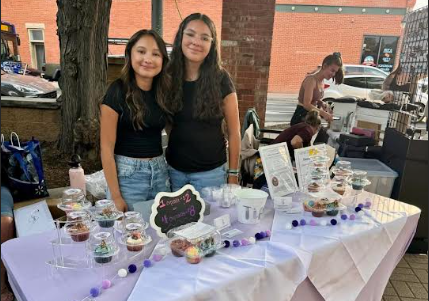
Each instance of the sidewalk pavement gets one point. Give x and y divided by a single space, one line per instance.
409 281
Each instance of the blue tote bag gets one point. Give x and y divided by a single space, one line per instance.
23 165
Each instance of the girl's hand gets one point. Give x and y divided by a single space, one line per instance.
120 204
325 115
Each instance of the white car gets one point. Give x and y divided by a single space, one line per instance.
359 80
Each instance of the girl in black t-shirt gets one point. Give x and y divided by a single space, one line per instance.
131 123
201 98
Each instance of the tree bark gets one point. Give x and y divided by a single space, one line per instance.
83 31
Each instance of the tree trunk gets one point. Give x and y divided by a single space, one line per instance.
83 31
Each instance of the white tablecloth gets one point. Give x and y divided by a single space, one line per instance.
350 261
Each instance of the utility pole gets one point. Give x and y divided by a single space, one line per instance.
157 16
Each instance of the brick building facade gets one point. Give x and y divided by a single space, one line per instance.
304 32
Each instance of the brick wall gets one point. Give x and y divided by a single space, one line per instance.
300 41
43 124
299 49
246 40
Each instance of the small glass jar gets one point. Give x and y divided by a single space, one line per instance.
78 229
103 247
315 186
131 217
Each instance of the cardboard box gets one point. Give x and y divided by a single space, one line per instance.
371 126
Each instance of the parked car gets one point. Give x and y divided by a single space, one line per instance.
51 72
26 86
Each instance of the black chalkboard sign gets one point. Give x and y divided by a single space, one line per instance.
174 209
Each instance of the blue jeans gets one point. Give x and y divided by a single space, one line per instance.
6 202
141 180
214 177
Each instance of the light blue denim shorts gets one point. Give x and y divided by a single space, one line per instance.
6 202
141 180
214 177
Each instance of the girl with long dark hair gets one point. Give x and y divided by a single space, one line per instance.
131 123
201 98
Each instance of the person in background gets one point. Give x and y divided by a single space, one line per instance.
7 230
311 91
131 124
202 97
300 134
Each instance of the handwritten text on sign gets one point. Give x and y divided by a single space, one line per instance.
171 210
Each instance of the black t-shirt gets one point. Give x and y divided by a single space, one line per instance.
197 145
145 143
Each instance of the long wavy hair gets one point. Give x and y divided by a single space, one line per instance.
208 98
161 82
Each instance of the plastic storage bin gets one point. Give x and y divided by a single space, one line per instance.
381 176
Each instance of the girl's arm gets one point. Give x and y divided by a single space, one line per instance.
108 126
230 109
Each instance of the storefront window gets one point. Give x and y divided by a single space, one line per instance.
379 52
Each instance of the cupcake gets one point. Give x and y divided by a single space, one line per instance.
179 246
193 255
107 218
313 187
339 188
318 208
135 242
103 253
78 231
207 246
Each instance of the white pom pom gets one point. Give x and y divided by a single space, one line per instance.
361 213
122 273
323 223
252 240
288 226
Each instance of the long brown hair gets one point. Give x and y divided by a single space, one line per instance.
161 82
335 59
208 98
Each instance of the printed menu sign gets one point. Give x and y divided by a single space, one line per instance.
278 169
302 161
174 209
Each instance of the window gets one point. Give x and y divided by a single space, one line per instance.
354 70
358 82
37 47
374 71
375 82
380 52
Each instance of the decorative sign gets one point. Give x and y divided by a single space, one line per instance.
278 169
174 209
302 160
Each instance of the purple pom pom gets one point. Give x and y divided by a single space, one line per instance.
132 268
157 257
94 292
357 209
295 223
268 232
263 234
360 205
226 243
147 263
352 217
313 223
244 242
333 222
105 284
236 243
368 204
258 236
344 217
302 222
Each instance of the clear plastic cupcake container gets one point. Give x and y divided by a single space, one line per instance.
106 213
103 247
73 199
